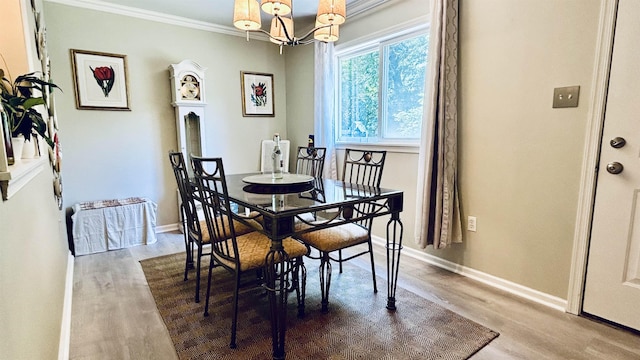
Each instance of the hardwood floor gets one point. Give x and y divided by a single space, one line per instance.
114 315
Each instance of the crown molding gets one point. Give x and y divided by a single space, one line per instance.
400 29
354 8
98 5
357 7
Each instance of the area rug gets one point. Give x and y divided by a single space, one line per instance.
357 326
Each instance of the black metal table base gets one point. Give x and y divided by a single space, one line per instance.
325 195
278 271
394 245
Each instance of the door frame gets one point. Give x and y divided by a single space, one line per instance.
593 140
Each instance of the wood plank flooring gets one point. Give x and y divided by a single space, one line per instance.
114 315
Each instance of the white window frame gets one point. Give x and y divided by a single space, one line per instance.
374 41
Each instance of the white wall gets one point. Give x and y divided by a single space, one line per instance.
33 247
299 92
519 165
520 159
33 265
115 154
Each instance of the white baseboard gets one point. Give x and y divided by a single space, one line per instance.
493 281
166 228
539 297
65 327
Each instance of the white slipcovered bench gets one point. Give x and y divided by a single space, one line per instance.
113 224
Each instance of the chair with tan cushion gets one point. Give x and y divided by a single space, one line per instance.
195 231
310 161
239 253
361 169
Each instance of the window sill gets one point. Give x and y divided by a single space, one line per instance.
390 147
19 175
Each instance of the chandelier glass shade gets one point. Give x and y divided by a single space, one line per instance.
331 13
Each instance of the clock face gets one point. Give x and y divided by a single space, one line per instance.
190 89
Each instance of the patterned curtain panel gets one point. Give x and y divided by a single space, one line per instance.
438 220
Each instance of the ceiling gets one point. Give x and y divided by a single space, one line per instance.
219 12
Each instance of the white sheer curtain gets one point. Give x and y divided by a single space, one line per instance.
438 220
324 106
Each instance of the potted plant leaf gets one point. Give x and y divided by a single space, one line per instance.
19 99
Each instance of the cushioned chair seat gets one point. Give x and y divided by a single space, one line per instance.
196 234
334 238
240 227
253 248
364 168
241 253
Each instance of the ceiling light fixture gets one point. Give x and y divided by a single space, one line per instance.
331 13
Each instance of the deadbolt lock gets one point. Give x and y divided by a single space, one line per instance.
617 142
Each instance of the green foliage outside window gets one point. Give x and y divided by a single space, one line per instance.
359 95
383 102
407 62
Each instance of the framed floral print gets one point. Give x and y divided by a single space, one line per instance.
100 80
257 94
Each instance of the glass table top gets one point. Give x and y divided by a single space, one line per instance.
297 198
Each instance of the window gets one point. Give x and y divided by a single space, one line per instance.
380 89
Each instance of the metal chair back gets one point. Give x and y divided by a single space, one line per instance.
310 161
193 232
187 196
214 196
362 170
363 167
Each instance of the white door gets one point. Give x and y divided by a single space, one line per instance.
612 288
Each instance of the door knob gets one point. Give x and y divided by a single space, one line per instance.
614 168
617 142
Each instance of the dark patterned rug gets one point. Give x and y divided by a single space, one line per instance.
358 326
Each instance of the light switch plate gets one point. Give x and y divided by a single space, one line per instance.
566 96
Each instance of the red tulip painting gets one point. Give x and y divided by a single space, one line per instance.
257 94
100 80
105 77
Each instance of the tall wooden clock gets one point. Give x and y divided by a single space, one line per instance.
187 96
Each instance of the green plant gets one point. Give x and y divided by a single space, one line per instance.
19 100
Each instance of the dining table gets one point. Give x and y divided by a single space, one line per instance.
284 204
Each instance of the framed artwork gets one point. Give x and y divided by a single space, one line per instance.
100 80
257 94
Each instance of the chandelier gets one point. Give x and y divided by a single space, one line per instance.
331 13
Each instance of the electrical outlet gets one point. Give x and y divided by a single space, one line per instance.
471 223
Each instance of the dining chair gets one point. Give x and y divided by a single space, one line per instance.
195 231
361 169
237 253
266 163
310 160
